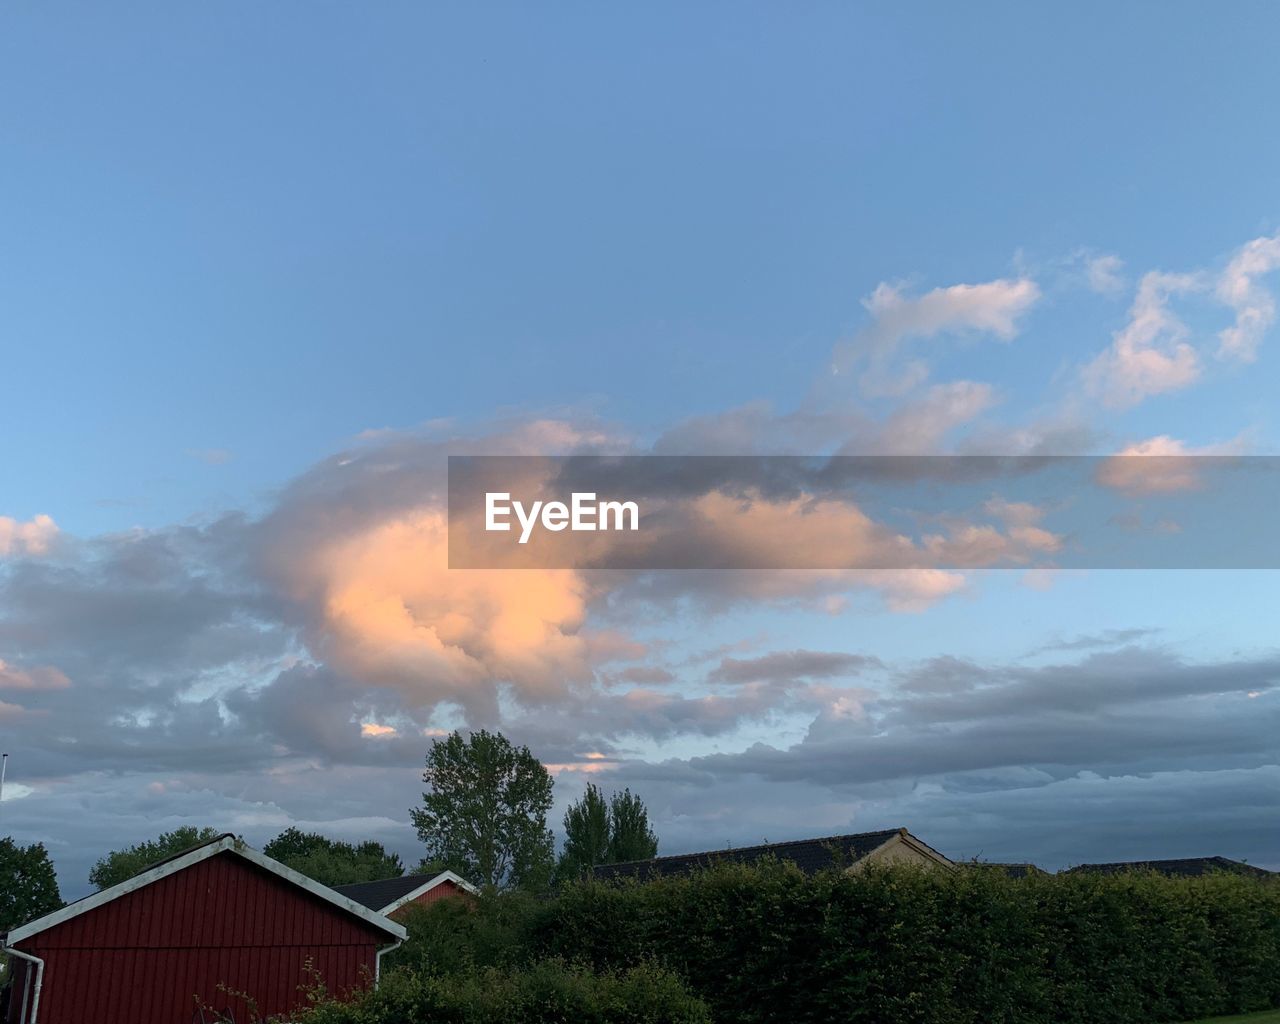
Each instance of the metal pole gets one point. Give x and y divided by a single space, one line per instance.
4 763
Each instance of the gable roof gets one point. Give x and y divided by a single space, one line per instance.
225 843
809 855
1186 867
390 894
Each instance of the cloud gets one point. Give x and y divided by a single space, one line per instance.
1131 711
1162 465
994 308
1150 355
41 677
1104 274
1254 306
785 666
919 426
1092 641
32 538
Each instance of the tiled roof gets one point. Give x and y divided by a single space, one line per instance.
810 855
384 892
1184 866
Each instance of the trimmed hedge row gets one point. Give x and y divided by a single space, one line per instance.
766 943
908 945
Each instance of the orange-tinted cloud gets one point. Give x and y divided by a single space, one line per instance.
42 677
34 537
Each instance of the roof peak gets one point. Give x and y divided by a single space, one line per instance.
886 832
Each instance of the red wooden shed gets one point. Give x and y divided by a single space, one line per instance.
394 896
220 926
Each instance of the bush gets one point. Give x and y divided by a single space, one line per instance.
767 943
902 944
548 992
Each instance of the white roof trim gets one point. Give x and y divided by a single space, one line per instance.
922 847
444 876
227 844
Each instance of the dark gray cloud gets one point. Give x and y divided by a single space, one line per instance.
784 666
1093 641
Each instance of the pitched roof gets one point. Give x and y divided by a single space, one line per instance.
225 843
388 894
1186 867
809 855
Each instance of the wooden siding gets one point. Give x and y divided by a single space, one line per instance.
148 956
445 890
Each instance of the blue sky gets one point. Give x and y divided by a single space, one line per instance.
263 230
237 239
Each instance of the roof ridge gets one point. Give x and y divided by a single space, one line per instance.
758 846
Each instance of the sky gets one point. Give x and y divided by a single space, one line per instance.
264 267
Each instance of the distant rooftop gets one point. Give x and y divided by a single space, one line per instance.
809 855
1186 867
383 892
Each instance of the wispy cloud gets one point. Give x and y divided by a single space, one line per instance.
1151 354
1254 305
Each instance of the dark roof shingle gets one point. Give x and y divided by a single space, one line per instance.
1187 867
383 892
809 855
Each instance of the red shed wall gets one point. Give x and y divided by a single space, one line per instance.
442 891
145 958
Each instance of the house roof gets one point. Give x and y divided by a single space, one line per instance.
225 843
809 855
1184 866
388 894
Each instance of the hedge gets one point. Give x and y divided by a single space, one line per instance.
547 992
767 943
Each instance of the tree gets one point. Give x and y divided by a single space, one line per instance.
597 832
120 865
485 813
28 884
587 834
332 861
630 836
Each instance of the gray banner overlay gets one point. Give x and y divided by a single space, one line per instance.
863 512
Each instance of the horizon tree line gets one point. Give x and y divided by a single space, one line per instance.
483 816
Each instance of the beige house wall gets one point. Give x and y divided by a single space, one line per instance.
903 850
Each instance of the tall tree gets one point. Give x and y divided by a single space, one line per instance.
120 865
332 861
28 884
586 834
630 835
485 812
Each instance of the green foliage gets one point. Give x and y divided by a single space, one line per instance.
28 884
451 936
914 946
587 834
547 992
600 832
630 835
485 812
120 865
332 861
